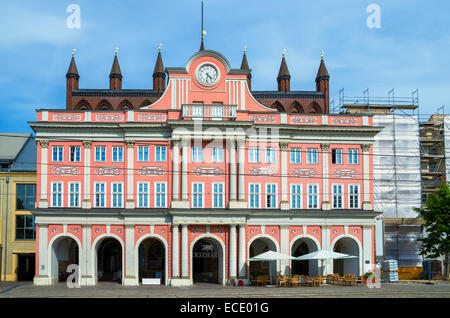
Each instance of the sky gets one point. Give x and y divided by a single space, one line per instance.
408 48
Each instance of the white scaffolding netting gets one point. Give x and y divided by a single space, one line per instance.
447 146
396 166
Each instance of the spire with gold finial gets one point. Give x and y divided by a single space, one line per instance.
159 75
284 77
115 76
202 45
244 66
72 71
322 73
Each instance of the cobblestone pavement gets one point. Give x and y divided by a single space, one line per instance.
111 290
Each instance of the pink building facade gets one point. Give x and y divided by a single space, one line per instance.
187 189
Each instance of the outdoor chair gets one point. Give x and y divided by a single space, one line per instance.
329 279
282 281
294 281
335 279
358 280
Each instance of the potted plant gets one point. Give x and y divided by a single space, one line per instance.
365 276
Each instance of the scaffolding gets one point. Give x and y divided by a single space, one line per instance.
396 168
432 152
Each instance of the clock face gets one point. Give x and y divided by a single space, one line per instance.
207 75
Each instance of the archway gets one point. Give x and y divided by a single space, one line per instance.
207 261
349 246
152 259
259 246
301 247
109 260
64 252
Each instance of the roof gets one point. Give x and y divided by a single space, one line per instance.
11 144
284 71
72 68
322 73
115 69
159 66
244 64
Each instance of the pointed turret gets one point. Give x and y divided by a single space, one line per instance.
202 45
322 84
115 77
159 76
72 81
244 66
284 78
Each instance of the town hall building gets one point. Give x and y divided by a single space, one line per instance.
187 181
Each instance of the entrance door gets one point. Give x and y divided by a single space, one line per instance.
26 267
205 261
110 261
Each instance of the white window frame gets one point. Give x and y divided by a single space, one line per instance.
338 155
316 194
159 194
202 194
197 154
59 153
103 193
161 158
253 155
299 195
60 193
77 193
145 155
351 156
296 153
101 156
274 195
77 151
143 194
214 193
312 153
258 194
114 194
334 195
350 195
271 155
217 154
118 155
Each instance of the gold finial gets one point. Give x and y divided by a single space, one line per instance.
73 52
284 52
159 47
115 51
245 48
321 56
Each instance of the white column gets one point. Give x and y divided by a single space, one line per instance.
241 160
175 169
242 251
233 192
87 278
130 175
175 252
130 277
184 252
284 204
184 170
87 204
284 249
328 264
326 205
367 204
43 202
42 276
366 259
233 250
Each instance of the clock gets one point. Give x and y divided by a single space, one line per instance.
207 74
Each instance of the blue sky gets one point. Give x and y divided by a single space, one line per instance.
409 51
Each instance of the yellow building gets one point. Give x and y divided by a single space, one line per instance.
17 198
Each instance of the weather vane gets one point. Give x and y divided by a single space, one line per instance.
159 47
115 51
245 48
323 52
73 52
284 52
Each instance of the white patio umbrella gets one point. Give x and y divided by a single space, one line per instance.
270 256
323 255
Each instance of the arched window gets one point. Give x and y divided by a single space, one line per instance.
104 105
